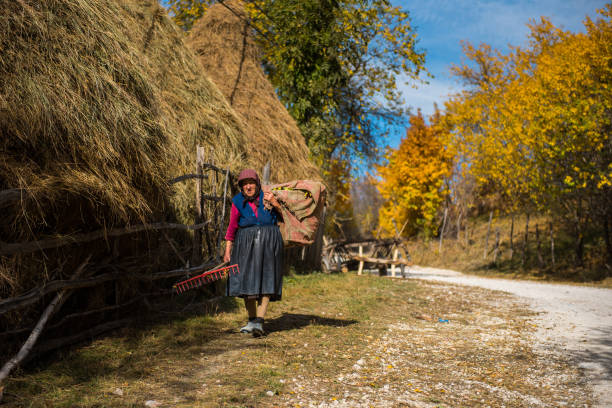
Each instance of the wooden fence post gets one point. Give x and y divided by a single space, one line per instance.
486 245
196 256
266 173
395 251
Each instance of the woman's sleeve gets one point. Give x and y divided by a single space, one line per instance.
233 224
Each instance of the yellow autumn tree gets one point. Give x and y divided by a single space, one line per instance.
536 123
412 183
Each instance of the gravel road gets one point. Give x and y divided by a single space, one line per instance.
575 319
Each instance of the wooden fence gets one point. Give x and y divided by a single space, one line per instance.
207 238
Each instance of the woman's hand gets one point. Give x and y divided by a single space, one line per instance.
269 197
228 251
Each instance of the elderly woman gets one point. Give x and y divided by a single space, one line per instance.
254 242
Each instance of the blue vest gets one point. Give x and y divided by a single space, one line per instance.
247 216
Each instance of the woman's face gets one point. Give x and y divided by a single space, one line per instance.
249 187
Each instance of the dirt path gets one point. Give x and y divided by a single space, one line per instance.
576 319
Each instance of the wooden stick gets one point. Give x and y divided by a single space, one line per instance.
221 224
55 304
402 229
25 247
196 255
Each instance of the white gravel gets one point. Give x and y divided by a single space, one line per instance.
575 319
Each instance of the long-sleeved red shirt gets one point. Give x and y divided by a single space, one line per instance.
233 223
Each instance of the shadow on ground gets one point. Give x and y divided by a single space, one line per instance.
292 321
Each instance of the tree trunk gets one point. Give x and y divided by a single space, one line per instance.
511 238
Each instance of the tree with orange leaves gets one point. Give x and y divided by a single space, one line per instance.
413 180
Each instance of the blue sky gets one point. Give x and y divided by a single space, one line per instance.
442 24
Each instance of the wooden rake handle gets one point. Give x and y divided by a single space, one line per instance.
218 272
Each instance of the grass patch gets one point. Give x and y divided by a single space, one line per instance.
361 339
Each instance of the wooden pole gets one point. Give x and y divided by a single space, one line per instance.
55 304
442 230
266 173
395 251
197 235
486 245
511 237
221 224
360 269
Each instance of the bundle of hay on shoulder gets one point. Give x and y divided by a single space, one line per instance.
100 105
225 47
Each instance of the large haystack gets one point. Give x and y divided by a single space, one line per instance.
225 48
100 104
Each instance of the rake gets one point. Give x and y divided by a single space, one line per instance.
206 277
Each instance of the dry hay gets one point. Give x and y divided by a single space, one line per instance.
226 49
100 104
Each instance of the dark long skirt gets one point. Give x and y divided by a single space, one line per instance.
258 251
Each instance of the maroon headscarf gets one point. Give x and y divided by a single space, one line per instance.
249 174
